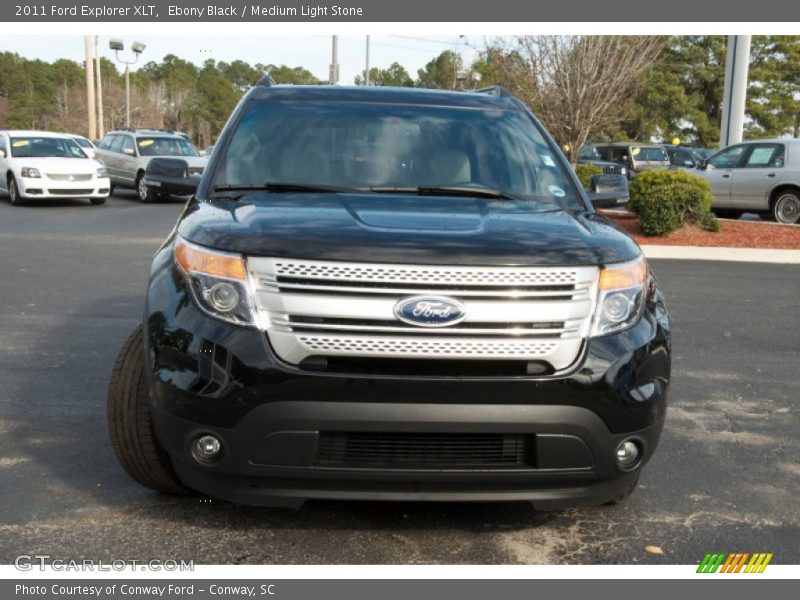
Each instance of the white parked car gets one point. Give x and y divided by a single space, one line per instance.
85 143
43 165
759 176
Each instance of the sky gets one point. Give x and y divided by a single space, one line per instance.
312 52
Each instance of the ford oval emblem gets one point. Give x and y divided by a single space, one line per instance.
430 311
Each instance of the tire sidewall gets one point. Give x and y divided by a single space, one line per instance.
142 192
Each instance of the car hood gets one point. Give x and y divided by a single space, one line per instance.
66 166
404 229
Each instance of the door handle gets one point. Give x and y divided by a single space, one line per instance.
726 175
770 174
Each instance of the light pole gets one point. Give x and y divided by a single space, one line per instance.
138 47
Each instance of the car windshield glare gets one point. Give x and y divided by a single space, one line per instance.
165 146
45 147
371 146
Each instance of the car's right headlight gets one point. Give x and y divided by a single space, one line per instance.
218 281
102 172
30 172
620 297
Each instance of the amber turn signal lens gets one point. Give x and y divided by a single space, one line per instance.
193 259
624 276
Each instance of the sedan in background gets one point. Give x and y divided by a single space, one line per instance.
127 152
85 143
758 176
43 165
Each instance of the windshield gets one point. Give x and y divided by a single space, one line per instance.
165 146
649 153
45 147
370 145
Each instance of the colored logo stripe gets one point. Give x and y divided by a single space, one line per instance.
735 562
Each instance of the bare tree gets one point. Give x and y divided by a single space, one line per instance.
577 85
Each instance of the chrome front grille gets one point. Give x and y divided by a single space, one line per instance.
317 308
69 177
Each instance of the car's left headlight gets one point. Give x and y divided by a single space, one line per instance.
218 281
30 172
102 172
621 296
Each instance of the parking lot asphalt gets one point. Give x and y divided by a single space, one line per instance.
726 476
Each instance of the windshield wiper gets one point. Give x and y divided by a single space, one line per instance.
446 190
280 188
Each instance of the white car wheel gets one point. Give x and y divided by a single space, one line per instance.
13 191
787 208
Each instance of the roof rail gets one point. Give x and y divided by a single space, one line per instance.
266 81
495 90
142 129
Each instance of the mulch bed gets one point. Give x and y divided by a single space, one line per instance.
732 234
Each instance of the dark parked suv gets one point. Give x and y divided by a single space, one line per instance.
385 294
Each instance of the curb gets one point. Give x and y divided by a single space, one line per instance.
762 255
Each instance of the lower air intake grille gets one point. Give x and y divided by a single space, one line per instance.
425 450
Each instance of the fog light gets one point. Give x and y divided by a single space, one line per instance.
627 454
223 297
617 307
207 448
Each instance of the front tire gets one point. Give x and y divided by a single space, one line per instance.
786 208
144 193
130 425
97 201
13 191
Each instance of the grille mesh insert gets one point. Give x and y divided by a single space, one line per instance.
434 275
396 346
425 450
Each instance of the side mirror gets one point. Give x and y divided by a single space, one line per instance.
608 191
702 164
2 153
129 151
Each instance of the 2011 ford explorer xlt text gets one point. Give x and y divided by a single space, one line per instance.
392 294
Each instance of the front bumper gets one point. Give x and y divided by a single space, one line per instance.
46 188
208 377
173 186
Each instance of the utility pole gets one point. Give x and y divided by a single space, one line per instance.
334 71
90 104
366 73
100 123
737 63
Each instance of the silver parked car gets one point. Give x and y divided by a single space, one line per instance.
759 176
126 152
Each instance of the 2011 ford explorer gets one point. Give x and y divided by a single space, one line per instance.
392 294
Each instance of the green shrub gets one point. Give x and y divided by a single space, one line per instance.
709 222
667 207
658 215
665 200
585 172
649 180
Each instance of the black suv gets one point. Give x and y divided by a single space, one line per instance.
384 294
